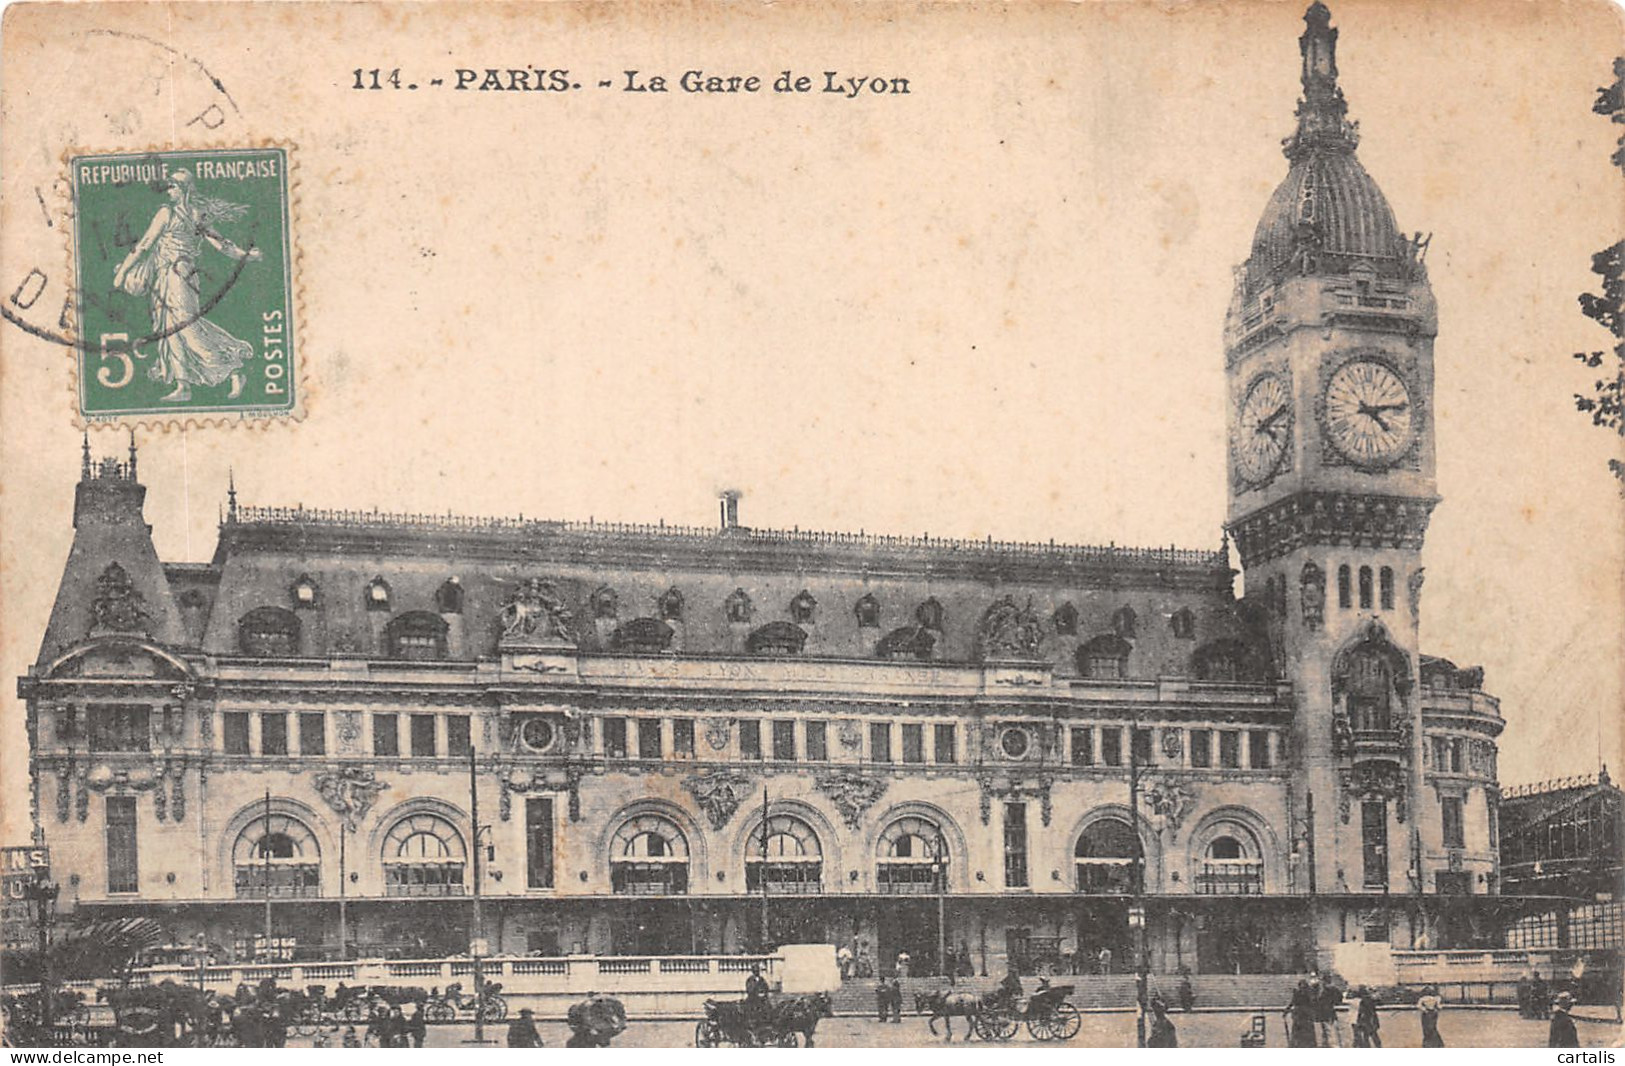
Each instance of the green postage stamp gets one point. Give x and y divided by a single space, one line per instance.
184 284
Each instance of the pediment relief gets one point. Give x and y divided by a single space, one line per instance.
120 659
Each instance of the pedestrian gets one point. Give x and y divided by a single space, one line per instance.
1187 994
1366 1023
1162 1030
1540 996
882 1000
377 1027
902 964
522 1031
896 1001
417 1026
1300 1014
1562 1032
396 1036
1328 997
1428 1007
351 1039
1105 961
843 959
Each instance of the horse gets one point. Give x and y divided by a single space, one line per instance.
800 1014
948 1006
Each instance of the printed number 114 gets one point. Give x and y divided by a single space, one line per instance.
375 79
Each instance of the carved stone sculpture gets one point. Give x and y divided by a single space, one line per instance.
1312 595
851 792
1008 631
350 791
535 611
117 607
1168 803
719 793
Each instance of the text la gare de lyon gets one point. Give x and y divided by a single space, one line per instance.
690 81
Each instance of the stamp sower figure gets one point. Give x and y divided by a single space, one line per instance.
1428 1007
1366 1022
163 267
1562 1032
1301 1017
1162 1030
522 1030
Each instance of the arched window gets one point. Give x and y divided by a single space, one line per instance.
448 599
1104 857
1365 588
642 636
1232 864
1386 586
776 638
671 604
268 631
418 636
377 595
424 855
912 857
1183 624
909 642
929 614
1104 657
604 602
304 593
1344 597
279 852
737 606
648 856
790 862
868 611
1065 620
803 607
1370 688
1125 622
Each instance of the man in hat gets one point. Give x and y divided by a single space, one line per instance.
1562 1033
1366 1024
1162 1030
522 1030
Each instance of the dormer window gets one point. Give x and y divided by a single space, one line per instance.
929 615
268 631
868 611
418 636
671 604
378 595
1065 620
803 606
1125 622
604 603
737 606
448 599
1183 624
304 593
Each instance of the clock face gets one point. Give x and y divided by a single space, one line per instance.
1369 416
1265 428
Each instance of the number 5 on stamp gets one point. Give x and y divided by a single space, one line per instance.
184 272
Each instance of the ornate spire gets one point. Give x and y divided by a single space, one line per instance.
1322 125
231 494
84 462
132 454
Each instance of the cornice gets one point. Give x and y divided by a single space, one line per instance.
1339 519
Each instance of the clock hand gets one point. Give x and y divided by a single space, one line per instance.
1375 414
1267 424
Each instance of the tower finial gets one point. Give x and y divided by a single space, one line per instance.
84 461
132 454
1322 110
231 494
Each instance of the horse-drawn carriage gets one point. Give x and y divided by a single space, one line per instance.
998 1015
744 1023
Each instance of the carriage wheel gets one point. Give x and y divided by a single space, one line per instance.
1004 1025
1038 1027
495 1009
1065 1021
707 1033
788 1039
439 1012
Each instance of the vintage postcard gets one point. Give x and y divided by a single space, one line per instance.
783 525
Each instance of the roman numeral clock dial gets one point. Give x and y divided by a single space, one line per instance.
1264 428
1369 414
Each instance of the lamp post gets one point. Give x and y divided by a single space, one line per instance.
942 897
42 893
477 945
1136 914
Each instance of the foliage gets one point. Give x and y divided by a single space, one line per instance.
1606 401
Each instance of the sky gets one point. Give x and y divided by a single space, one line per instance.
992 307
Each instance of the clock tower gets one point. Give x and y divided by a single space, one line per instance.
1329 362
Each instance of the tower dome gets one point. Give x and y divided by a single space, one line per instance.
1328 215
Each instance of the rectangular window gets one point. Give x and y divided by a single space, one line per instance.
750 738
539 843
649 738
273 733
1455 835
1142 747
817 742
1230 749
1386 587
615 738
1374 843
312 733
457 739
682 737
946 746
913 742
1441 754
120 728
1258 749
1083 746
122 869
423 744
1457 751
1365 588
1015 845
1201 748
1344 599
784 741
386 734
1111 746
880 742
235 728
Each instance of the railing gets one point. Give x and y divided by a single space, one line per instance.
450 523
1230 879
1539 787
